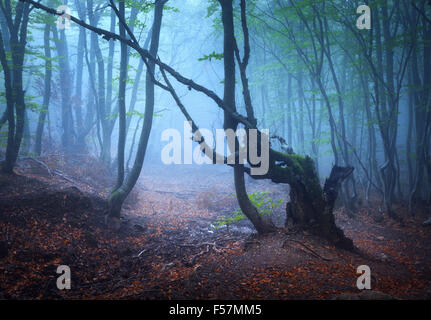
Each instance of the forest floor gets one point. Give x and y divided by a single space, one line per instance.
52 213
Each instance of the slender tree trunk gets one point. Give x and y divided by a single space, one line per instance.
122 103
15 102
289 111
262 226
118 196
65 88
300 123
47 91
81 128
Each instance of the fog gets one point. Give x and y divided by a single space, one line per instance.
201 149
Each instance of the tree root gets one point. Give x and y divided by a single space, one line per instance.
314 253
41 163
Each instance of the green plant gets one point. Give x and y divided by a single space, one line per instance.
261 200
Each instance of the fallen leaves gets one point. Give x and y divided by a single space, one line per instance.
150 262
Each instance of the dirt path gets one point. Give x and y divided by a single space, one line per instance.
167 248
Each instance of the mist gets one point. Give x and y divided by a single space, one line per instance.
210 141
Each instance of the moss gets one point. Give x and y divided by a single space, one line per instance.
115 198
294 161
298 162
302 168
311 177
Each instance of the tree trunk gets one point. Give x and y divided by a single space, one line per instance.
47 91
118 196
261 225
65 88
310 207
15 102
122 103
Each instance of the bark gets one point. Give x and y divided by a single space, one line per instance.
83 125
15 103
137 81
261 225
300 122
118 196
104 84
289 111
420 115
341 135
295 170
65 88
122 104
310 207
47 91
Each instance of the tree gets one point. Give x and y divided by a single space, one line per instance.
47 88
310 207
17 20
120 194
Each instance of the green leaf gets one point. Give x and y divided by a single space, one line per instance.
213 55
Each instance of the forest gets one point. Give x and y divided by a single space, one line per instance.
215 149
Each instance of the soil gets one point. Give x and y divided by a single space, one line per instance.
52 213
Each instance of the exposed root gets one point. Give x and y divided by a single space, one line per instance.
314 253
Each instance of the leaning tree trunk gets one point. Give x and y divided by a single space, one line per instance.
310 206
262 226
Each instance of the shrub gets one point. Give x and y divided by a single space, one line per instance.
261 200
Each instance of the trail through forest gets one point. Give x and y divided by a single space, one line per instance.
166 245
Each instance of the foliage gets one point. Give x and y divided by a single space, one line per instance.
213 55
261 200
